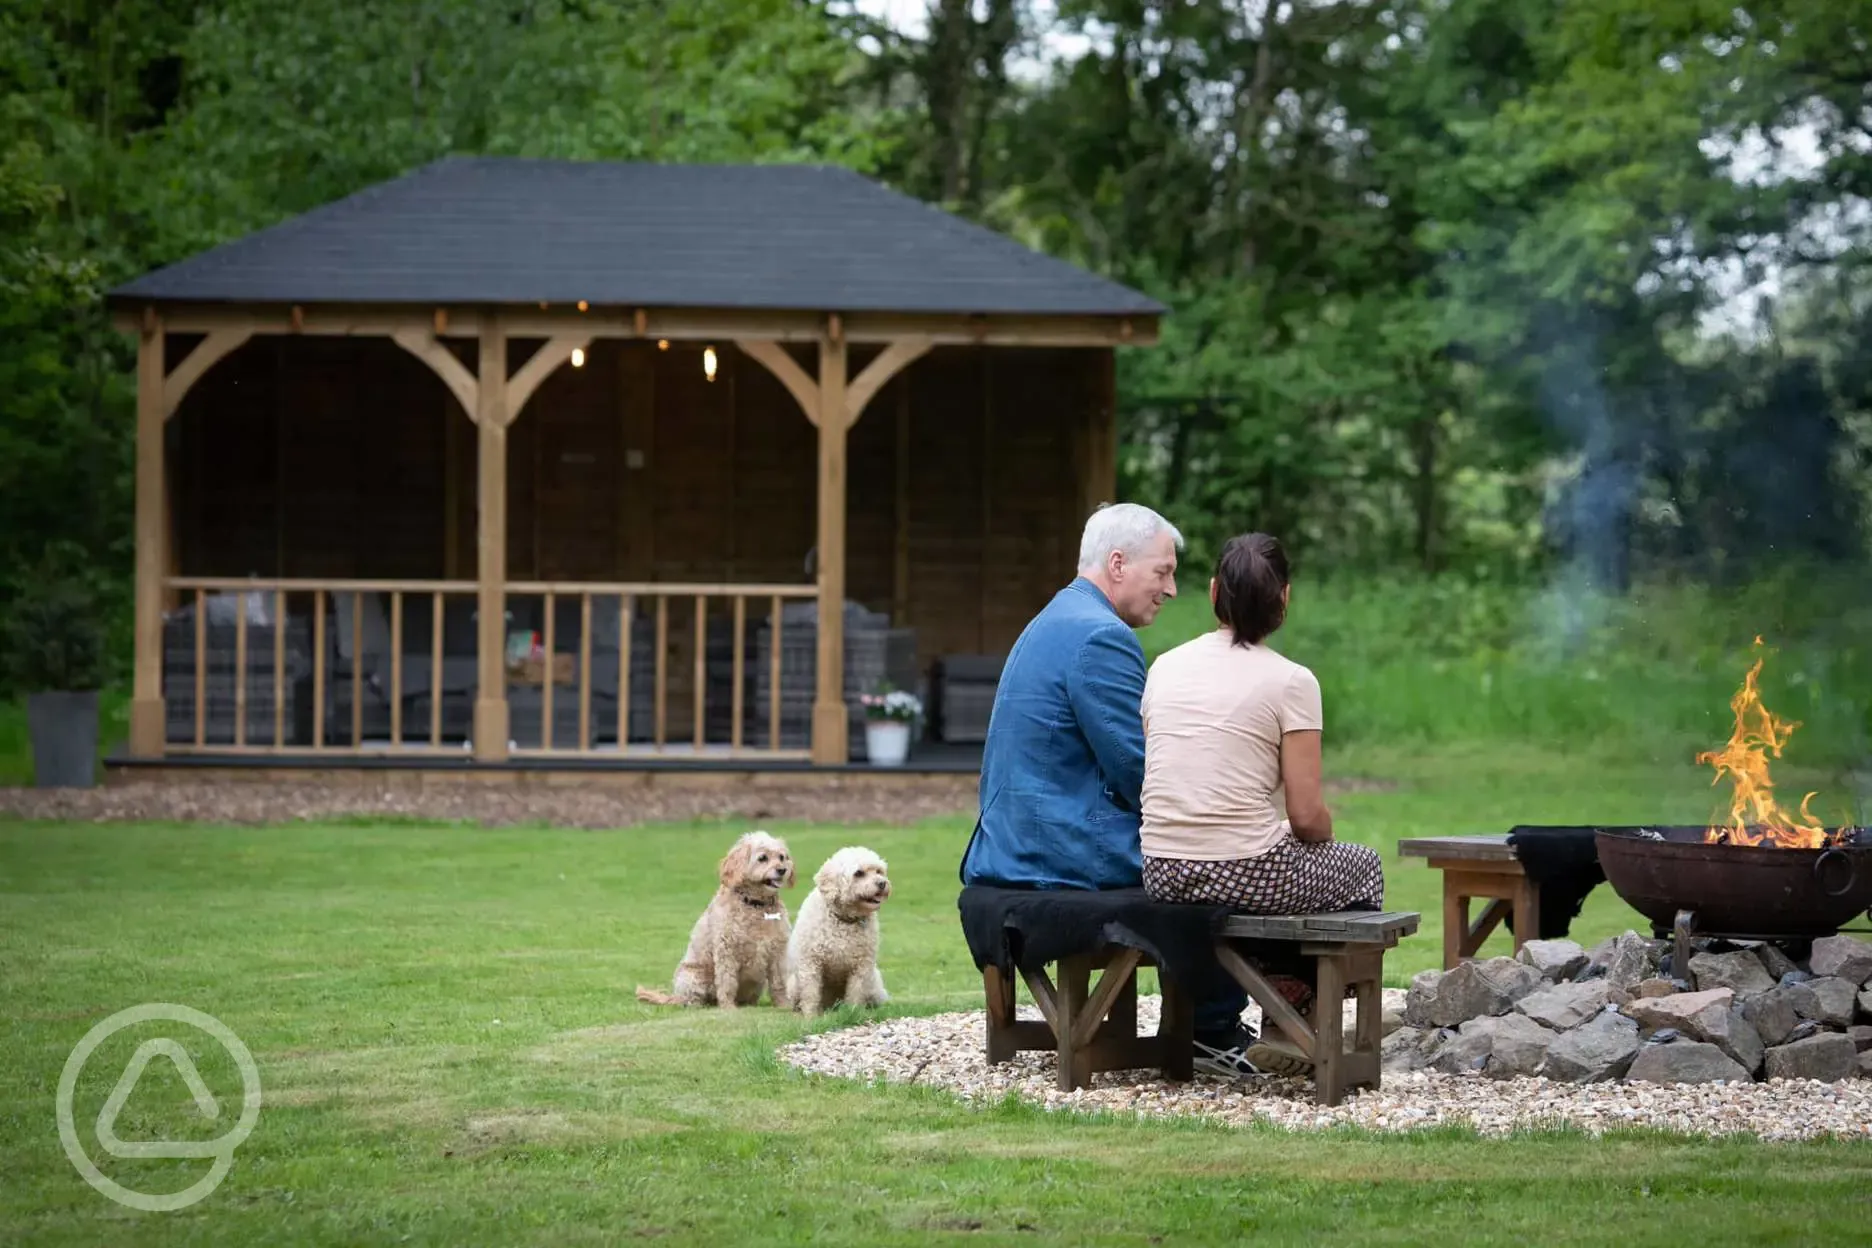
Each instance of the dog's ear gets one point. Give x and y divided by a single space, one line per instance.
825 879
734 866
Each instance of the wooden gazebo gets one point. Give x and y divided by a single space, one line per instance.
311 514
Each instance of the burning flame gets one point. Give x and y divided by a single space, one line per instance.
1755 818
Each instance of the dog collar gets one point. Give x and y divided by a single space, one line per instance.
850 922
754 903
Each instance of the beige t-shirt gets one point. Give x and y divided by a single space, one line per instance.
1214 714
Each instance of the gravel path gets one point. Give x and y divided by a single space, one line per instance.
562 803
946 1051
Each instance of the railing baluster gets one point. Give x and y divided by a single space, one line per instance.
585 674
396 668
201 668
662 647
773 678
357 669
435 673
625 654
240 673
318 669
738 675
546 681
279 669
701 668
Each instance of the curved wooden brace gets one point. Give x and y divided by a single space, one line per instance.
422 344
774 356
552 353
900 355
207 353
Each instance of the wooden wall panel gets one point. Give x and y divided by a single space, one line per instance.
871 494
776 473
945 498
571 472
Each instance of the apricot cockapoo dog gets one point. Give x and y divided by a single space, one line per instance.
739 944
833 953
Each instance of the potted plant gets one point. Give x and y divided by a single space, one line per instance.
52 648
889 713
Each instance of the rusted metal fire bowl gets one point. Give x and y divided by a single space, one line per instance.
1738 890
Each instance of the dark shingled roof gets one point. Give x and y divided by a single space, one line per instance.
501 230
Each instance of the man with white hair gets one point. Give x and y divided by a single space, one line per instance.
1063 767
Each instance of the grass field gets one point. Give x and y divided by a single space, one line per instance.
450 1052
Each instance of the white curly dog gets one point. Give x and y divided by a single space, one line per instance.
738 945
832 955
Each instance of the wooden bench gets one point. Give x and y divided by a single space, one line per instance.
1478 866
1095 1029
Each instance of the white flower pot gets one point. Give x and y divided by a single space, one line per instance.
887 742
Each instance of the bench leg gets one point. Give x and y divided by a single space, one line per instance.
1000 993
1176 1032
1075 1056
1329 1066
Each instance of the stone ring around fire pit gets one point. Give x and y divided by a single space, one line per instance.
1737 1010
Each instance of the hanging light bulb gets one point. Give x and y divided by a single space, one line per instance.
578 357
662 344
708 362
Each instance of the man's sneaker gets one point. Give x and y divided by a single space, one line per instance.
1276 1057
1226 1054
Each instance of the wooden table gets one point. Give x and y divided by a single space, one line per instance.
1478 866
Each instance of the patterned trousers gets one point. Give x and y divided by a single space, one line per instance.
1294 877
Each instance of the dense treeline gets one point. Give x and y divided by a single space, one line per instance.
1452 279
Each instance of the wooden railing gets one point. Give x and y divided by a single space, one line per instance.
655 600
357 705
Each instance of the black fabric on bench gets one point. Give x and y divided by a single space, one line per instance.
1565 863
1025 929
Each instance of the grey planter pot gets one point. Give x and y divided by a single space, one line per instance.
64 731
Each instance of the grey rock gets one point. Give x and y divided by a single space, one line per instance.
1865 1064
1828 1057
1554 959
1774 961
1825 1000
1737 1037
1654 987
1628 958
1501 1047
1597 1050
1482 989
1739 971
1410 1048
1865 1004
1772 1014
1565 1006
1795 977
1693 1012
1861 1036
1667 1035
1806 1027
1392 1016
1420 1000
1685 1062
1842 957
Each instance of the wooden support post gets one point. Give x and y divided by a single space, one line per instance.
1100 484
490 712
831 729
147 727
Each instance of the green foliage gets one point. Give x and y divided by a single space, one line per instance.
1455 661
53 634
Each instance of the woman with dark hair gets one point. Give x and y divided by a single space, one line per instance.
1227 721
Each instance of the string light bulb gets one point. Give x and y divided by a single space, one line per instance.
708 362
578 357
662 344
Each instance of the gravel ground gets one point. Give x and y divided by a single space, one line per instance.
946 1051
563 803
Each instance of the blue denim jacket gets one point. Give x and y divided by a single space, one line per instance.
1063 768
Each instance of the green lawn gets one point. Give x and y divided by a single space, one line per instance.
445 1030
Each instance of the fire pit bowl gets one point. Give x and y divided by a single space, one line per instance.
1738 890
